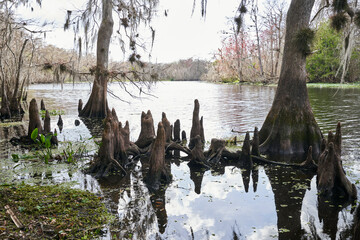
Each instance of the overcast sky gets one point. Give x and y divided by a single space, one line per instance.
178 36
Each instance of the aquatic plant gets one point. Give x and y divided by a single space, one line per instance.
44 144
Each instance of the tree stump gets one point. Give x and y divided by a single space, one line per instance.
47 120
60 123
147 132
197 155
167 128
177 131
34 118
111 155
255 143
125 133
245 157
42 105
196 128
158 172
80 106
330 174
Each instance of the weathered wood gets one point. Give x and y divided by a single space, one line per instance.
255 143
125 133
80 106
197 154
245 155
112 155
47 121
309 162
60 123
196 125
331 175
177 131
14 218
34 118
42 105
158 172
167 127
216 149
147 132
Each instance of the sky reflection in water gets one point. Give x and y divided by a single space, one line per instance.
216 204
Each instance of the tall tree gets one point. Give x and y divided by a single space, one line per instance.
290 126
130 15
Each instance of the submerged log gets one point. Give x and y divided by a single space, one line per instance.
158 173
216 149
111 156
196 127
177 131
167 128
331 175
147 132
80 106
34 118
47 120
42 105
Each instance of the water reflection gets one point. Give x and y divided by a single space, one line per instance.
229 202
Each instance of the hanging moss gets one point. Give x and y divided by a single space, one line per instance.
303 40
357 18
339 5
243 9
339 21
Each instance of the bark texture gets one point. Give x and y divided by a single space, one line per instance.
197 128
34 118
158 172
177 130
331 175
47 120
97 105
290 126
112 154
147 132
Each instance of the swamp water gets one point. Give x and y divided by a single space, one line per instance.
267 202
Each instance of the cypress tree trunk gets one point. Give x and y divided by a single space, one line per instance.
97 105
290 126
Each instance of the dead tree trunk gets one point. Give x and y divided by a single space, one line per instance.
196 128
34 118
158 172
112 153
147 132
97 105
331 175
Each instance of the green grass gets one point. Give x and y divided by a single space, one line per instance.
63 212
333 85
